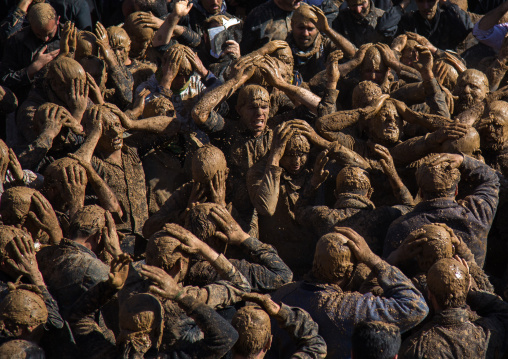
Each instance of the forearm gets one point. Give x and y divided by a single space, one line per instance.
336 122
164 34
428 121
490 19
211 99
342 43
157 124
400 190
496 72
105 195
299 95
328 103
346 157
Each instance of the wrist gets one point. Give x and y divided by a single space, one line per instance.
274 160
372 260
427 75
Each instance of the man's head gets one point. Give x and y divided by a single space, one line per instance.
23 315
165 252
364 93
385 126
112 131
140 35
288 5
451 75
120 43
61 73
207 162
254 332
427 8
409 54
253 106
21 349
86 45
448 284
469 144
373 67
97 68
42 119
213 7
141 323
296 154
359 8
436 181
333 260
43 21
494 127
438 244
201 223
7 235
86 226
159 106
185 70
375 340
472 87
353 180
303 30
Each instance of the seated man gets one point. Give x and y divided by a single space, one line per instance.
451 333
375 340
470 218
335 310
30 49
255 330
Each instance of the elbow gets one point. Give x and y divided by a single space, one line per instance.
265 209
198 116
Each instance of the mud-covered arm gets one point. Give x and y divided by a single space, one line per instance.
54 317
493 311
218 334
402 304
303 330
497 70
427 91
169 27
425 120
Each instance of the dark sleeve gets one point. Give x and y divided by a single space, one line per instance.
93 299
435 98
303 330
388 24
219 335
36 151
82 17
11 75
214 123
11 24
122 81
54 318
267 272
328 102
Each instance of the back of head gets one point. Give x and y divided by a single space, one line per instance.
304 13
352 180
333 260
41 14
21 349
437 246
448 282
159 106
15 204
375 340
206 162
364 93
118 37
156 7
64 70
298 143
86 45
136 30
7 235
254 331
141 322
87 222
163 251
54 172
436 181
23 307
40 117
469 144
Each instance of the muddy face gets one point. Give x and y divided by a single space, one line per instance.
254 330
43 21
333 260
409 54
427 8
254 107
438 245
112 133
373 68
385 125
448 281
494 128
472 87
211 6
296 154
120 43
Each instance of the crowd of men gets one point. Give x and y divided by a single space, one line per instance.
249 179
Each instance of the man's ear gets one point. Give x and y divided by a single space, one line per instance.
173 272
268 344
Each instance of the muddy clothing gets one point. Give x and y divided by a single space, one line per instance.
470 218
310 62
359 30
128 184
353 211
274 194
451 334
336 312
120 80
23 47
264 270
265 23
79 283
11 24
77 11
298 325
446 30
141 71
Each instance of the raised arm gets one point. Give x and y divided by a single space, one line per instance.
164 34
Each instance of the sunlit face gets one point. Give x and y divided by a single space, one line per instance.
427 8
373 69
304 34
470 89
359 8
46 33
254 115
112 134
385 126
211 6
